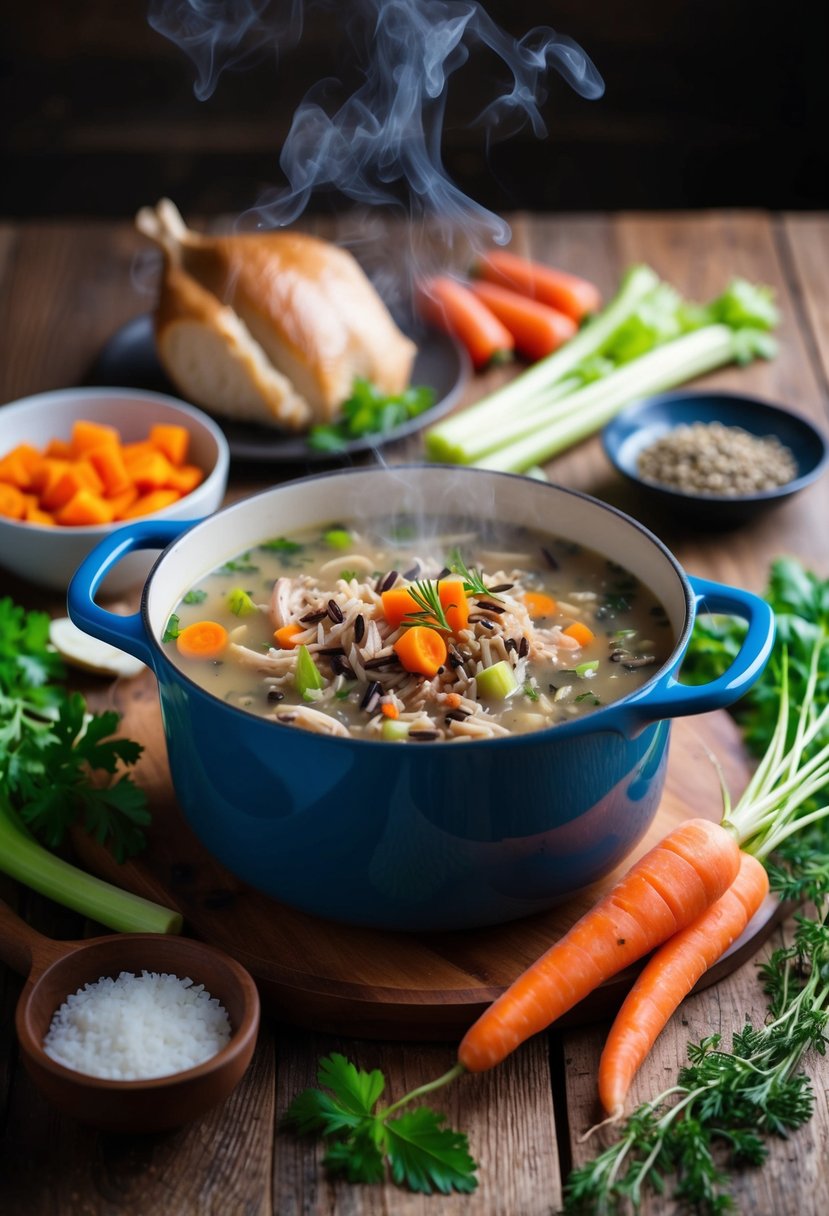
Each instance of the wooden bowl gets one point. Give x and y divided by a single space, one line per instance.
57 969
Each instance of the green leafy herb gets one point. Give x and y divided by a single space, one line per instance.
240 603
195 596
280 544
421 1153
50 745
473 583
172 629
348 575
290 552
530 692
588 698
239 565
426 595
368 411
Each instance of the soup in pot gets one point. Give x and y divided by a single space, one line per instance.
477 632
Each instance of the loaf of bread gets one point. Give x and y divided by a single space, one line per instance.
269 327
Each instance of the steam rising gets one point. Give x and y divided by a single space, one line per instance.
381 146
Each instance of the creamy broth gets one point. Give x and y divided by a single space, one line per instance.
516 631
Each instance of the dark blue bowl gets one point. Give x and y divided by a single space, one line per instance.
645 421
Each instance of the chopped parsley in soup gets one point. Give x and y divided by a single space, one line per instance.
466 635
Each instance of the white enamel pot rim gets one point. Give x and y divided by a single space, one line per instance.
431 490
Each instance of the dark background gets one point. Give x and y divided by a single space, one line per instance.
708 103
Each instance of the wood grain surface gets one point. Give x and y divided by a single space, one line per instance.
64 288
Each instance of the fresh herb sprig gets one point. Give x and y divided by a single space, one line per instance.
421 1153
369 411
473 583
51 745
426 595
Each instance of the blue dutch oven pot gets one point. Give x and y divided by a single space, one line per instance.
433 835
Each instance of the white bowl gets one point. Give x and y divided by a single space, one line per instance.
49 556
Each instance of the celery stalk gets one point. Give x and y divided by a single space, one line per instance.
495 683
23 859
583 412
541 382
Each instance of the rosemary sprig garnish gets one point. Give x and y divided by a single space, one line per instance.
426 595
473 583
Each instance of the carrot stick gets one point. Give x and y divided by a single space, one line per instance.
567 292
663 892
202 640
450 306
670 975
421 649
537 328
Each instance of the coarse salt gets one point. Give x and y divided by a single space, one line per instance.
137 1026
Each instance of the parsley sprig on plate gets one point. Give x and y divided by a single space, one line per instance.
421 1153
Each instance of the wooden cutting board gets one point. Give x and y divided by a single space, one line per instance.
366 983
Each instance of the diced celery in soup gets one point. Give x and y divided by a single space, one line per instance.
467 635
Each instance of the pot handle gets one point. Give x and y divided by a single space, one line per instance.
125 632
667 698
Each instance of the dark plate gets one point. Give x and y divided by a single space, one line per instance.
129 360
645 421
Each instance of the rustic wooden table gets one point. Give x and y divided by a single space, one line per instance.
64 289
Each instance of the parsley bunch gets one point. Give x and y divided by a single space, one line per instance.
421 1153
51 745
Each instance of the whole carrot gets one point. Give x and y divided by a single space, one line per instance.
670 975
537 328
452 307
567 292
665 891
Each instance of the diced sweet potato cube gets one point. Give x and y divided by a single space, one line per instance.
87 435
46 473
109 465
121 502
172 440
186 478
17 466
84 509
80 475
59 449
150 471
12 502
156 500
34 515
131 451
